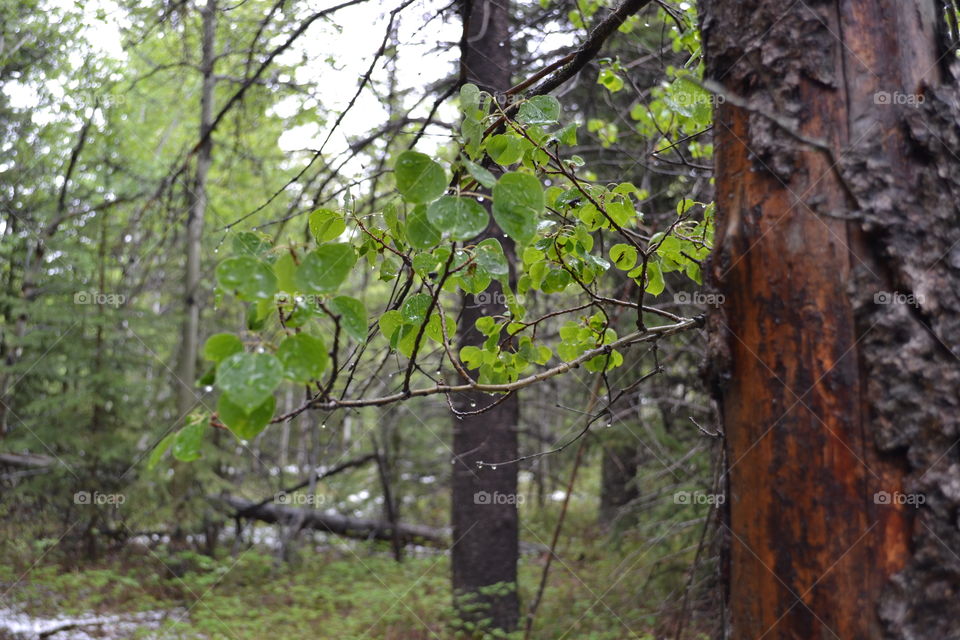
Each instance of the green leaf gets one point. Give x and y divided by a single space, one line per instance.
420 233
471 356
186 446
655 283
326 225
610 80
285 268
248 278
325 268
539 110
250 243
624 256
415 307
489 257
469 98
249 378
568 135
419 179
353 316
389 323
304 357
480 174
157 454
245 425
220 346
505 150
517 203
459 218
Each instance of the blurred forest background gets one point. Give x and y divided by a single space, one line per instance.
141 143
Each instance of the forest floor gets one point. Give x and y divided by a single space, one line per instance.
599 589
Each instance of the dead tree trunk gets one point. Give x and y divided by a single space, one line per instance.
835 354
485 531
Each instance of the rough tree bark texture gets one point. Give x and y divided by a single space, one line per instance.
485 535
837 182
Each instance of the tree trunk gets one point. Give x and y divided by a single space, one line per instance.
834 355
618 473
186 375
485 532
190 331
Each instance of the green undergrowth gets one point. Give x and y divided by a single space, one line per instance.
600 588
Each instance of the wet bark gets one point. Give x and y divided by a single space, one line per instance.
485 533
834 358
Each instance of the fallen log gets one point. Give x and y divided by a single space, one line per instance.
26 460
361 528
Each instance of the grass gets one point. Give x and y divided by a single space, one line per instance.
599 589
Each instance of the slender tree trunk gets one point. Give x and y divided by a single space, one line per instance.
835 354
618 473
485 532
190 331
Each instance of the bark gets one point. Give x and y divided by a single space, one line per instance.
186 375
26 460
485 535
190 331
618 473
831 194
362 528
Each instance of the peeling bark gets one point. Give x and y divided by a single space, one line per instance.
835 358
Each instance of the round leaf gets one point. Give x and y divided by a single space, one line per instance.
325 268
414 310
326 225
420 233
353 316
419 179
460 218
489 257
505 150
249 378
539 110
220 346
245 425
624 256
517 203
248 278
303 356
